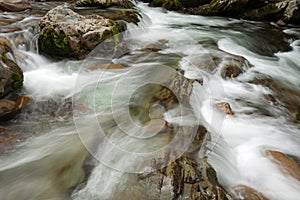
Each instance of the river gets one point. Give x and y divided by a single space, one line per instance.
100 134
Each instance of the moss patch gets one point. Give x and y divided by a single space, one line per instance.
55 44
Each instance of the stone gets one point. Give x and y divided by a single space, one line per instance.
189 176
233 66
11 75
225 108
14 5
286 164
246 192
289 98
9 108
105 3
66 34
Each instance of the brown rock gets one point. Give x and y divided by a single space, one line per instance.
9 108
14 5
225 108
248 193
286 164
233 66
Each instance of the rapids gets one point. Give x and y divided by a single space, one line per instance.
101 135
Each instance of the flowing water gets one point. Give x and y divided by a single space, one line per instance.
101 134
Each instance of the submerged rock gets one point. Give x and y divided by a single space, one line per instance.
288 97
64 33
105 3
14 5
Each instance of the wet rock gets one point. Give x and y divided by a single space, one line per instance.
286 10
286 96
156 46
109 49
226 7
176 4
65 33
232 66
281 23
189 176
11 75
14 5
104 3
286 164
9 108
268 12
225 108
246 192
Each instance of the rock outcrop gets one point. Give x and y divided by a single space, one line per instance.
65 33
283 10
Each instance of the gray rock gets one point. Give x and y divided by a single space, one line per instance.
65 33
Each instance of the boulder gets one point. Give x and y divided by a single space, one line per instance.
225 108
286 164
246 192
9 108
104 3
64 33
14 5
232 66
11 75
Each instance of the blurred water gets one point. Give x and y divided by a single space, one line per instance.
48 164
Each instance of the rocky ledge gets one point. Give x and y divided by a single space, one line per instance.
282 11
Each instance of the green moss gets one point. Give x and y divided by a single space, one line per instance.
55 44
18 81
17 75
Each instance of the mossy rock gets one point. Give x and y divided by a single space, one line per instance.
66 34
55 44
17 77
